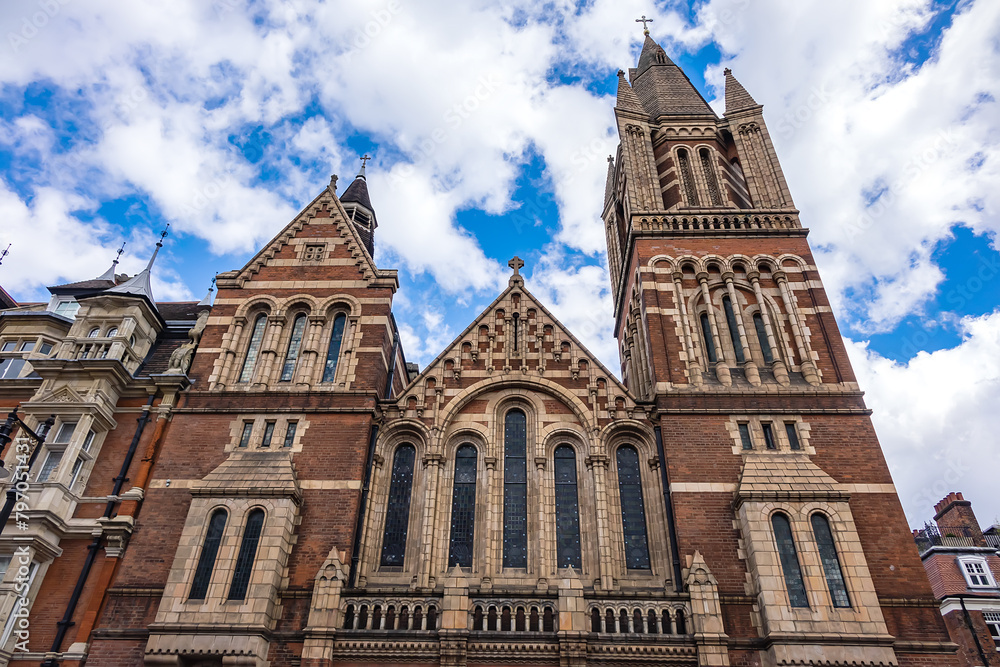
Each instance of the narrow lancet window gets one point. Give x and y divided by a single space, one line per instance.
687 178
333 352
397 517
567 509
463 508
789 561
515 490
245 558
706 333
209 551
256 337
713 182
734 332
765 345
831 563
633 509
294 343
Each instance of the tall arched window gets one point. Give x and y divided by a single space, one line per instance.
633 509
831 563
515 490
333 352
567 509
245 558
687 177
734 332
209 551
765 345
294 343
706 333
713 182
253 350
397 518
463 508
789 561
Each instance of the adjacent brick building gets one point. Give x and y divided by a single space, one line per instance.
306 500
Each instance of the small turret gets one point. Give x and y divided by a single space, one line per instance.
139 284
737 97
359 208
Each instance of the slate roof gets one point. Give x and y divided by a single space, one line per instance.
663 88
357 192
737 97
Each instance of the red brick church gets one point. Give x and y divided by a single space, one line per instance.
264 480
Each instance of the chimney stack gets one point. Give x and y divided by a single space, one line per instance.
955 517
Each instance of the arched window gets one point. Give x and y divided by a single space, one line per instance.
687 177
734 332
397 518
765 345
515 490
789 561
248 550
463 508
209 551
333 352
706 333
633 509
831 563
567 509
94 333
713 182
294 343
112 332
256 337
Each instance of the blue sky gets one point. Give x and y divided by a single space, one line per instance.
489 127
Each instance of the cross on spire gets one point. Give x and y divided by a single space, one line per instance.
364 161
120 251
517 264
644 21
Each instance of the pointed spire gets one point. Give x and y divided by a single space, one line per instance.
139 284
627 99
364 163
610 183
652 54
207 301
663 88
109 275
737 97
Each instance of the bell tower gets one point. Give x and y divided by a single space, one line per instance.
772 465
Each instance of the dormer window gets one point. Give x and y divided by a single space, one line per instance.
977 572
67 308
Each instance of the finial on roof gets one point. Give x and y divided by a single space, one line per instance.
110 273
207 301
737 97
517 264
159 244
333 183
364 163
644 21
139 284
6 251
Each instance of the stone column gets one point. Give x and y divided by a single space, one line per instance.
230 342
454 631
598 466
693 367
432 466
749 367
489 552
801 341
777 365
721 367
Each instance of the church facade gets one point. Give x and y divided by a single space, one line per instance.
307 498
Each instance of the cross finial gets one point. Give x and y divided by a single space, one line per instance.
517 264
120 251
364 161
163 235
644 21
6 251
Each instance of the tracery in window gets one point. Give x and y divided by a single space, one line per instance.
397 518
209 552
706 333
463 508
831 563
294 343
253 350
633 509
713 182
687 177
515 490
789 561
333 352
248 550
765 345
734 332
567 508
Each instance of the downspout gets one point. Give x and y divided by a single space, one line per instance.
66 623
668 503
359 523
972 629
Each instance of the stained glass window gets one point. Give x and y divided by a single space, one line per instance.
256 337
734 332
515 490
793 435
713 182
765 345
567 509
248 549
397 517
633 509
333 352
769 441
745 436
206 562
463 508
706 333
294 343
687 177
290 434
789 561
268 434
831 564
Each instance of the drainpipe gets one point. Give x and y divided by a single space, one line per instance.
359 524
66 623
668 503
972 629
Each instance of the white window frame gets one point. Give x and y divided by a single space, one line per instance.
992 619
972 577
